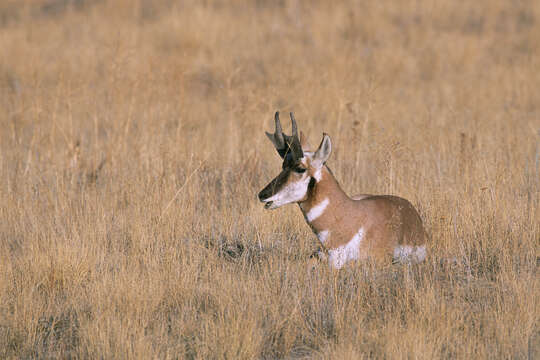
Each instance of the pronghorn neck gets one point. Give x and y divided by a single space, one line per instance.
324 194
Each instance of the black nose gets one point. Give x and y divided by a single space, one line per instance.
262 195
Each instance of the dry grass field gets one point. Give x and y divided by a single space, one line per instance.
132 149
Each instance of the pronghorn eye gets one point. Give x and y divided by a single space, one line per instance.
299 170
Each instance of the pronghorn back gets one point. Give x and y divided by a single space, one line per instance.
378 227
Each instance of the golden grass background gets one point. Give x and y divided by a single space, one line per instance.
132 149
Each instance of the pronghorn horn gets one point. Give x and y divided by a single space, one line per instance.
283 142
295 146
278 134
294 129
279 139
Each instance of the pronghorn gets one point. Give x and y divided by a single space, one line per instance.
377 227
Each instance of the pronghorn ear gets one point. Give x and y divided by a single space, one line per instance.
304 142
323 152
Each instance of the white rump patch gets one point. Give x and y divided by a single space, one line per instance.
317 210
323 235
409 254
345 253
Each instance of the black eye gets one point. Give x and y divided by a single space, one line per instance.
299 170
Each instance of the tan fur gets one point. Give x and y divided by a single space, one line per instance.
387 220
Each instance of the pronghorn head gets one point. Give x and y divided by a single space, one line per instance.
301 169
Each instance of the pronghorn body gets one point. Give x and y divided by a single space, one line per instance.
376 227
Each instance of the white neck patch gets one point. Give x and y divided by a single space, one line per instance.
345 253
317 210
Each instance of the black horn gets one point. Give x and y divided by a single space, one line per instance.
278 134
294 141
278 138
285 143
294 128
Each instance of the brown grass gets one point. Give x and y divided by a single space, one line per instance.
132 148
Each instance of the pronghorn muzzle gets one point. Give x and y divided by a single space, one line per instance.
273 188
